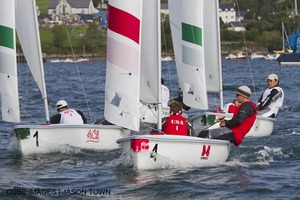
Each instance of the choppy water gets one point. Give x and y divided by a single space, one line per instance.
267 168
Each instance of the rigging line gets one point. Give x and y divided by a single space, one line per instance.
28 115
146 125
247 53
78 72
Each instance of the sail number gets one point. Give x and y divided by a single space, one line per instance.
36 136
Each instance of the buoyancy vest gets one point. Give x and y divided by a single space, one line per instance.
229 108
175 125
70 116
277 100
241 130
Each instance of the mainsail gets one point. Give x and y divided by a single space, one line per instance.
122 93
133 57
8 63
188 34
28 33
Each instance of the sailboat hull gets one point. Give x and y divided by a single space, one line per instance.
146 152
289 59
29 139
263 126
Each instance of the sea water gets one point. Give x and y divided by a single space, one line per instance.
267 167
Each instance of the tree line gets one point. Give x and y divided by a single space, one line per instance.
263 21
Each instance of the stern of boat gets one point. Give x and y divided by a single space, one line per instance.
170 151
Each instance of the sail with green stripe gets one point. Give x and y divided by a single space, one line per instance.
188 35
8 63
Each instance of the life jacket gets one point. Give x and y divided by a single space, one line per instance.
277 100
228 108
70 116
241 130
175 125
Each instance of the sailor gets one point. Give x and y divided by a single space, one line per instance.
165 98
176 124
229 107
67 115
243 119
272 98
179 98
165 94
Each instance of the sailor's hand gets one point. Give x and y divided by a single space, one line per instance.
220 119
223 123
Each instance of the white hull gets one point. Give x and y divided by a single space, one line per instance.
263 126
147 152
289 63
167 58
257 56
29 139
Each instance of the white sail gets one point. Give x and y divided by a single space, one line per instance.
212 47
28 34
8 63
149 53
122 94
192 63
175 23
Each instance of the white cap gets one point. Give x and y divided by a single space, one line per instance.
61 103
272 77
244 91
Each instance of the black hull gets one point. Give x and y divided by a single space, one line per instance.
289 59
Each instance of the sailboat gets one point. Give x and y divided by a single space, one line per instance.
84 58
138 78
44 138
212 70
290 55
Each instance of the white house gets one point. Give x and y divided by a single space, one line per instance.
69 7
227 13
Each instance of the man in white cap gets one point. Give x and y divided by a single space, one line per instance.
242 121
67 115
272 98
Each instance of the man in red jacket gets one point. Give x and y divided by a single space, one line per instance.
176 124
243 119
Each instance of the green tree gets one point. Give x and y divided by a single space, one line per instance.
95 38
271 40
59 36
166 37
252 35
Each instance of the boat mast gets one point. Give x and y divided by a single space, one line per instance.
159 123
219 57
282 33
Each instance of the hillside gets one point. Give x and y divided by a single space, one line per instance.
263 24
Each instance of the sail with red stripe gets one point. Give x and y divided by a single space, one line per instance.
122 92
